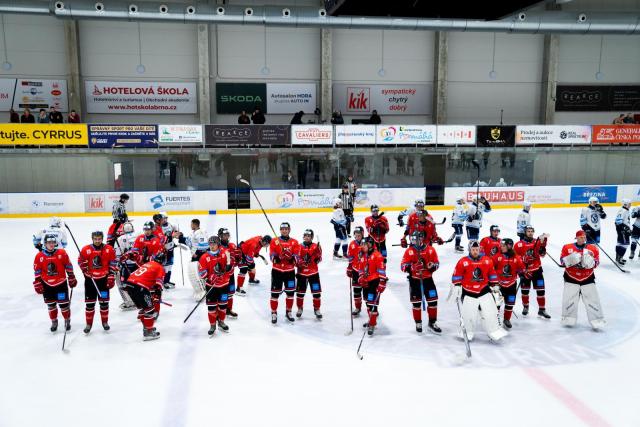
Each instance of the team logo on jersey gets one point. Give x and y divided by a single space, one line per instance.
594 218
529 253
506 270
494 250
96 262
477 275
52 270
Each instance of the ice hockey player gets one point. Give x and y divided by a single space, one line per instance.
531 251
198 243
580 259
249 251
418 205
354 257
372 278
146 244
339 221
54 229
508 266
458 218
378 227
235 258
119 214
422 221
524 219
475 212
473 279
590 219
98 263
635 231
347 206
214 267
283 251
623 228
420 261
53 271
309 256
126 264
490 245
171 233
142 285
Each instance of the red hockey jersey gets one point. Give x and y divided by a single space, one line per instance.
149 275
52 267
145 247
99 262
308 258
578 273
474 274
212 268
529 251
507 269
284 253
415 261
489 246
377 227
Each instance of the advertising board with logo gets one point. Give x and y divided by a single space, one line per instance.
495 136
33 94
288 98
311 135
631 192
355 135
123 136
406 135
239 135
385 197
43 134
386 99
109 97
456 135
163 201
182 135
615 134
233 98
510 195
604 193
597 98
103 202
556 134
45 203
4 204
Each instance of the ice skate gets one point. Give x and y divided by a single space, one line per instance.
289 316
232 314
433 326
223 326
87 329
150 334
525 310
299 313
241 292
543 313
105 326
507 323
67 324
54 325
317 314
274 318
126 307
212 330
419 327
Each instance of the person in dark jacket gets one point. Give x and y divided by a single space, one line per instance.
375 118
13 116
73 117
336 118
297 118
43 117
243 118
258 116
27 117
55 116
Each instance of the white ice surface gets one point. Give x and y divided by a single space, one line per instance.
307 373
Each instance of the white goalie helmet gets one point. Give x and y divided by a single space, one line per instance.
55 222
337 203
127 227
460 200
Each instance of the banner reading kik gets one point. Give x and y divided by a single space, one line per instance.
43 134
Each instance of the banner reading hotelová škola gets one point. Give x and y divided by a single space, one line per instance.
43 134
123 136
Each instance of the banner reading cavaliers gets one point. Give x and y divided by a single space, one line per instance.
107 97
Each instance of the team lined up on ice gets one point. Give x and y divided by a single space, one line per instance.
486 278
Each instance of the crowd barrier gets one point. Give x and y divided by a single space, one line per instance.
114 136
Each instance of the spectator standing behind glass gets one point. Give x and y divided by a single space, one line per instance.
258 116
628 119
336 118
43 117
375 118
73 117
288 180
55 116
619 120
297 118
27 117
243 118
13 116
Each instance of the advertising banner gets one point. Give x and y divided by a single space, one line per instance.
45 202
109 97
4 204
495 136
597 98
456 135
33 94
365 197
44 134
289 98
355 134
510 195
557 135
103 202
406 135
409 99
123 136
604 193
615 134
311 135
631 192
163 201
182 135
233 98
239 135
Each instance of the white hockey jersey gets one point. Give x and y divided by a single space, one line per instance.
635 214
459 215
623 217
124 245
523 221
472 220
591 217
168 229
61 236
338 217
198 241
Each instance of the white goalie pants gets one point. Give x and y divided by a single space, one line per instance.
489 317
591 300
196 282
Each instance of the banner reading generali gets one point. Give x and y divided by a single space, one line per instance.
239 135
615 134
107 97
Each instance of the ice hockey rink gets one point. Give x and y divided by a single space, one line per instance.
307 373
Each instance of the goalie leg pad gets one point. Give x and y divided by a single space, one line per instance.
570 299
490 317
591 301
196 281
469 314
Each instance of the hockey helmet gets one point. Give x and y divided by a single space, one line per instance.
55 221
580 233
419 202
526 204
51 238
369 241
149 225
529 227
358 230
124 197
494 228
375 208
222 231
459 200
285 225
266 239
417 237
157 217
507 242
626 202
163 214
97 233
127 227
337 202
473 244
308 232
160 257
345 185
593 199
214 240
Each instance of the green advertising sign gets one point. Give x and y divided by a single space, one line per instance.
233 98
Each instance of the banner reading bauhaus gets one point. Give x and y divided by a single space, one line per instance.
386 99
43 134
495 136
107 97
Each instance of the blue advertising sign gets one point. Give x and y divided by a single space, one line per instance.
605 194
123 136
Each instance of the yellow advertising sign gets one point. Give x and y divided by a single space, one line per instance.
43 134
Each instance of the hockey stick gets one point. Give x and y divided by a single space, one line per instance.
263 259
477 166
244 181
360 356
351 307
424 306
611 259
554 261
64 338
203 297
464 329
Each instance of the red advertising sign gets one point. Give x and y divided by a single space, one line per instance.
615 134
499 196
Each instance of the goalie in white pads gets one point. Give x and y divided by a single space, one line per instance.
579 260
127 265
474 282
198 242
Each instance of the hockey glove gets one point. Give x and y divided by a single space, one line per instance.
362 281
382 286
39 246
111 281
438 240
455 292
527 274
84 266
588 260
38 286
572 259
350 272
403 242
432 266
400 221
72 280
